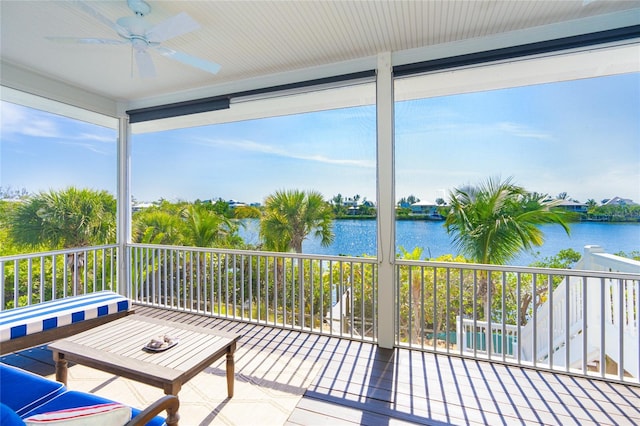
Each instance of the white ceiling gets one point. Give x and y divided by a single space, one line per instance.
266 43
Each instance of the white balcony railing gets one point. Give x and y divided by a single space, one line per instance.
516 315
37 277
320 294
575 321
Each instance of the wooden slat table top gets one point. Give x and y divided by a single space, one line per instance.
117 347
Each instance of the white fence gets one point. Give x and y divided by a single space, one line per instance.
320 294
37 277
592 321
579 321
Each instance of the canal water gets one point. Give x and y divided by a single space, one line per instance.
358 238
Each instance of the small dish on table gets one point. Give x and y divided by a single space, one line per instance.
161 343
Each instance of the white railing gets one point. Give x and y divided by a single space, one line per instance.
32 278
507 314
473 336
560 320
320 294
496 313
594 318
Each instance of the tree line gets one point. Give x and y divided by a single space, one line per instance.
489 223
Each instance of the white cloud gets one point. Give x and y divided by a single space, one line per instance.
88 146
40 128
246 145
522 131
96 137
11 114
19 120
426 129
23 121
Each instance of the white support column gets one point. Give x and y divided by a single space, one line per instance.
385 200
124 204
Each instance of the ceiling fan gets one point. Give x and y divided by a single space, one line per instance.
143 37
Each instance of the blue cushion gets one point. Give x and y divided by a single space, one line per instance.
8 417
74 399
21 321
22 390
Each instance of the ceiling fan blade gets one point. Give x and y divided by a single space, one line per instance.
85 40
146 69
175 26
84 6
202 64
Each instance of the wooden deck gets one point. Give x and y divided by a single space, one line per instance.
358 383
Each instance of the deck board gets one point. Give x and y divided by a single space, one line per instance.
425 387
358 383
362 384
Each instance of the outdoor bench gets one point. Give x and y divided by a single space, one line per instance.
32 325
25 396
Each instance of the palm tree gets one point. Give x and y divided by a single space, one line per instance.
493 222
412 199
290 215
591 203
69 218
338 205
155 225
66 219
205 228
246 212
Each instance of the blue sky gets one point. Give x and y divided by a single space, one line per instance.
580 137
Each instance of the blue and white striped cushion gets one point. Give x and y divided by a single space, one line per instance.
19 322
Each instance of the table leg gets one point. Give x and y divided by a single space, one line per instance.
61 367
172 413
230 369
172 417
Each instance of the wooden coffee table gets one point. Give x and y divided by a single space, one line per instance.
117 348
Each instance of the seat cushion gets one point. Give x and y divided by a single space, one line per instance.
75 399
22 390
8 417
21 321
110 414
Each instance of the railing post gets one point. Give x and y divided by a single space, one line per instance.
385 199
124 205
588 261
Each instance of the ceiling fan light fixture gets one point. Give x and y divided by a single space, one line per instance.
139 44
133 25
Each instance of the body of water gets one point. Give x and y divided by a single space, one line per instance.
358 237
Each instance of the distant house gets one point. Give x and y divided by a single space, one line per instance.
352 211
350 202
235 203
357 208
423 207
573 206
139 206
618 201
428 209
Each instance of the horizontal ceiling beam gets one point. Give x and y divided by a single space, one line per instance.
27 81
512 52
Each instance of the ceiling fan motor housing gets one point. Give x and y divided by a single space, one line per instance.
133 26
139 7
